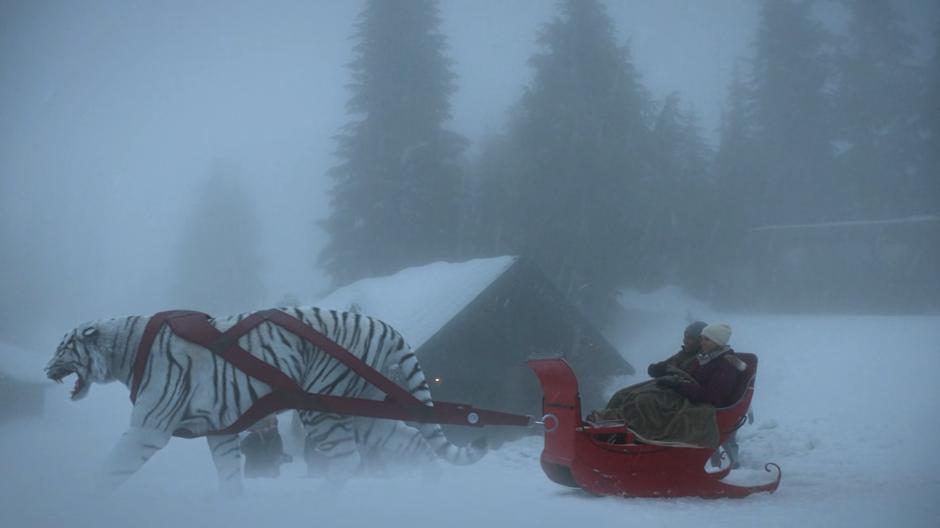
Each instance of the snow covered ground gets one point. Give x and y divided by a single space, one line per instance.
847 406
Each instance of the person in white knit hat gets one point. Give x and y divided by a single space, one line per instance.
718 334
712 381
715 344
660 410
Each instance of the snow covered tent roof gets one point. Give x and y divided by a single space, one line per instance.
20 364
419 301
474 324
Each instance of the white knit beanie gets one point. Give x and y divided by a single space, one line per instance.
719 333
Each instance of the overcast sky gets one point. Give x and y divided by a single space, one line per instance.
111 113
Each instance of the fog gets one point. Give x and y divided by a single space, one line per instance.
158 155
853 438
113 114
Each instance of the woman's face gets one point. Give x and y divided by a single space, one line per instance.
708 345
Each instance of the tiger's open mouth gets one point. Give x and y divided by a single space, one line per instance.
57 374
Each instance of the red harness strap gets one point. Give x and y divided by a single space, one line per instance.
440 413
286 393
195 328
294 325
146 342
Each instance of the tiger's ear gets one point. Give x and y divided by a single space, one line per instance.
89 332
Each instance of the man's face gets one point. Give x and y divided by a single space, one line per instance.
690 342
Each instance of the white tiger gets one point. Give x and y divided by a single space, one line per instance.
185 387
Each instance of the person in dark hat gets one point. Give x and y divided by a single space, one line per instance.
682 360
713 375
680 406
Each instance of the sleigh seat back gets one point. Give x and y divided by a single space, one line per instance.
732 417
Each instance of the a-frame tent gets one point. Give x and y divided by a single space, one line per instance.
474 324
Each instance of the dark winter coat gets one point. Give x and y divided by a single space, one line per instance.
681 360
715 380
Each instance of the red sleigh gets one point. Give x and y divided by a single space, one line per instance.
608 459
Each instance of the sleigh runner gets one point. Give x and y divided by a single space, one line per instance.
398 404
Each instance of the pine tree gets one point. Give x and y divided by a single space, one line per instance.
396 188
792 107
929 126
876 113
495 217
578 136
735 170
219 264
735 201
681 159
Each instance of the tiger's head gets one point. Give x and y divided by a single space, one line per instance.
82 352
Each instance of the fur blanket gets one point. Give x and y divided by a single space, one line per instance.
662 415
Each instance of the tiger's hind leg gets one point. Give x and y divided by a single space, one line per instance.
227 456
330 446
133 449
392 446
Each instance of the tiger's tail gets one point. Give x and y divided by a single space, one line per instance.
416 383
